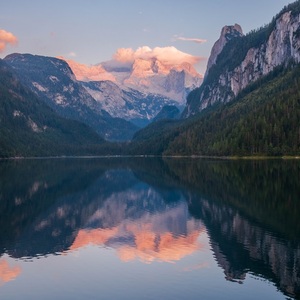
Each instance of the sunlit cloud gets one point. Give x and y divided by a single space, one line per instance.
7 272
7 38
195 40
136 61
124 55
166 55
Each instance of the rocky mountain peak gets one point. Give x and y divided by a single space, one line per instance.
227 34
247 58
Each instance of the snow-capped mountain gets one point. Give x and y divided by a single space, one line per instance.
134 86
167 73
129 104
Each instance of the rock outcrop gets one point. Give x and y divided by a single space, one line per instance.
227 34
241 60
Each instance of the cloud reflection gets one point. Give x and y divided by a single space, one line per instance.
167 237
7 272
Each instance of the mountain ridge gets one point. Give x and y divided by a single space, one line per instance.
53 81
28 127
245 59
149 71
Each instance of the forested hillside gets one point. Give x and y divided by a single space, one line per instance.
262 120
28 127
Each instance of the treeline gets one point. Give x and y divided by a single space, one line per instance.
264 122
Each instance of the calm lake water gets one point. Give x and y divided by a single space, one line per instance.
146 228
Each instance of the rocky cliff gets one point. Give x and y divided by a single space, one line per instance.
238 61
227 34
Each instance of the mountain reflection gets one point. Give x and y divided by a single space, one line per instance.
156 210
165 236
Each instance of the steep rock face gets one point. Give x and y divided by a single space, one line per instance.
154 77
227 34
243 60
53 81
175 81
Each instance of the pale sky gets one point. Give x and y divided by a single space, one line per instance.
91 31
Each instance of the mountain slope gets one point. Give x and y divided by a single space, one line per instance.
136 85
28 127
168 112
54 82
245 59
263 120
132 105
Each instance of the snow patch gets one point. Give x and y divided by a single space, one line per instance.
59 99
17 113
39 87
54 79
33 126
69 88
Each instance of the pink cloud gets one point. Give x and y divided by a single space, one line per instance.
166 55
7 272
124 55
6 38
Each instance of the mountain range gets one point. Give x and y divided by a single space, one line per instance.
247 104
249 101
161 71
53 81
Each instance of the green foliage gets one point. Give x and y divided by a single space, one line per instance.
28 127
263 122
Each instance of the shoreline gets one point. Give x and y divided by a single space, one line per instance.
154 156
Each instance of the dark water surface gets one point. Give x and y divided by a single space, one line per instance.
147 228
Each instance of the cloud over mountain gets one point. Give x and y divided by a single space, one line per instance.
166 55
164 71
6 38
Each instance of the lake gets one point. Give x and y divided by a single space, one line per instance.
149 228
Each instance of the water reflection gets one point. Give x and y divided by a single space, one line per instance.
168 235
8 272
156 210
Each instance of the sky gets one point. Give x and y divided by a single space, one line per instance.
92 31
